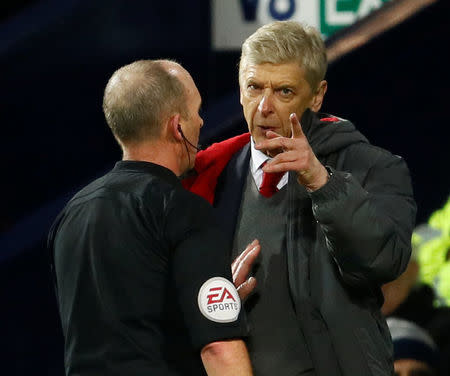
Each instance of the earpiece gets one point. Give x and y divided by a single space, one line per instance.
186 140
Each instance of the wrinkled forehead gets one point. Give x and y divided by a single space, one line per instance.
250 69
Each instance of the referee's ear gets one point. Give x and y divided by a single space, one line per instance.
173 128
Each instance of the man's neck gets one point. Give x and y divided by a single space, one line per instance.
156 152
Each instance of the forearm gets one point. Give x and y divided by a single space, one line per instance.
226 358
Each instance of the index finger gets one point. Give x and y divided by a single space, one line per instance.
296 127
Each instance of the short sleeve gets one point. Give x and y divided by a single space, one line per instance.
201 272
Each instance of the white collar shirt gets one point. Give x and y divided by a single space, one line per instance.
256 161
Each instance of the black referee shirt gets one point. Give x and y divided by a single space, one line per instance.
140 265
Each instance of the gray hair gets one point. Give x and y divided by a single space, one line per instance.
139 96
284 42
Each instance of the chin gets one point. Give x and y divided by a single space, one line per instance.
258 136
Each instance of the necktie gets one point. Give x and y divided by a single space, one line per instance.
269 183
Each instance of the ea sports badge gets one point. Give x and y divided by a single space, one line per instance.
219 300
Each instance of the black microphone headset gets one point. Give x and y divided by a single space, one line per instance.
198 148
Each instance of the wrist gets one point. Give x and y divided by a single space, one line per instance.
322 179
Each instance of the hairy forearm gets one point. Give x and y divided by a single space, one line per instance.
226 358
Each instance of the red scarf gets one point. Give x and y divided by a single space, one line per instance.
210 163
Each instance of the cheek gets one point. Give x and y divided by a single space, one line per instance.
249 107
286 127
283 112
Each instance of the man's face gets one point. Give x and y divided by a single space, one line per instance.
192 123
270 93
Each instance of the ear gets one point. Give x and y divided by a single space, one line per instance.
240 96
173 124
317 100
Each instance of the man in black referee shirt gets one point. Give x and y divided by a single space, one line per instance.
143 280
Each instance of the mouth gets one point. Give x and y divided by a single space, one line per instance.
265 128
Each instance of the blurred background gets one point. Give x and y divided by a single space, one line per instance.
388 74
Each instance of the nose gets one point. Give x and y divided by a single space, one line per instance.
201 122
265 105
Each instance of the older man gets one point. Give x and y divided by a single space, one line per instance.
142 274
333 214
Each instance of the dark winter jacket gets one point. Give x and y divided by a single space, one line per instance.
343 241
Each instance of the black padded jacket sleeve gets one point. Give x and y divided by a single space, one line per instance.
367 213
